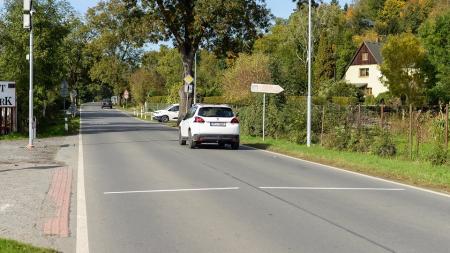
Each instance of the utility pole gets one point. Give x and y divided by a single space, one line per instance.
308 124
28 24
195 78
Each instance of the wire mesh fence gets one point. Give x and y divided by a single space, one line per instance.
403 131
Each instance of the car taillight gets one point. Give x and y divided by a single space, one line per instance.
234 121
199 120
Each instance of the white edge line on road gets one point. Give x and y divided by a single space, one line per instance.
82 241
175 190
331 188
354 173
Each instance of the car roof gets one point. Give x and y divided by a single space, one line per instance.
212 105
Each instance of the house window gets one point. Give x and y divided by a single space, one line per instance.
368 91
364 72
365 56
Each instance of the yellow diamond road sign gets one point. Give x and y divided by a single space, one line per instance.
188 79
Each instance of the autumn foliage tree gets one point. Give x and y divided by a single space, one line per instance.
403 66
246 70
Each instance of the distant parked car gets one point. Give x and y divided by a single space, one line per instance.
166 114
209 124
106 103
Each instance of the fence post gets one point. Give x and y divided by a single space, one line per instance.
359 117
418 133
323 119
382 116
1 120
446 127
410 131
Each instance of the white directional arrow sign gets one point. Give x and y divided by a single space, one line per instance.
266 88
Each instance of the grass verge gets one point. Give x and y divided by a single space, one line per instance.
53 128
13 137
56 127
417 173
10 246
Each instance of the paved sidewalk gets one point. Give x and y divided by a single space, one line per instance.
36 189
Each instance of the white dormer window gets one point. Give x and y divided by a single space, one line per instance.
365 56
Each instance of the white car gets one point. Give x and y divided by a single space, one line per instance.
166 114
209 124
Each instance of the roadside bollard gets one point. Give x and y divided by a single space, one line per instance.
34 128
66 125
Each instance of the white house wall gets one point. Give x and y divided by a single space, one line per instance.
373 80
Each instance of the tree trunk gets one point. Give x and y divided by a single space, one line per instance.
186 98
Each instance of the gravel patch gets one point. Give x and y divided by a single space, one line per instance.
25 177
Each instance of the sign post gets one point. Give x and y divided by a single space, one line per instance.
188 88
126 95
265 88
64 92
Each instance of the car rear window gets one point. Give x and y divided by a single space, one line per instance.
222 112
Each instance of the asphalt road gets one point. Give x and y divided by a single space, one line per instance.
145 193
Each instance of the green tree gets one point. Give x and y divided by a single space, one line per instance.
167 63
325 62
116 36
209 71
77 64
403 66
220 26
144 82
435 34
52 24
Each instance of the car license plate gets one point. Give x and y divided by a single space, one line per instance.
219 124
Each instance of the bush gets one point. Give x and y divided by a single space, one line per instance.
157 100
383 144
338 139
251 118
284 119
215 100
438 154
369 100
344 101
361 140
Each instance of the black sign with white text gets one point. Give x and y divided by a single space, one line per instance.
7 94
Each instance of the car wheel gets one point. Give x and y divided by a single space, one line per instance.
180 138
235 145
165 119
191 142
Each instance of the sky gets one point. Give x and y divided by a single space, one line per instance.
280 8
